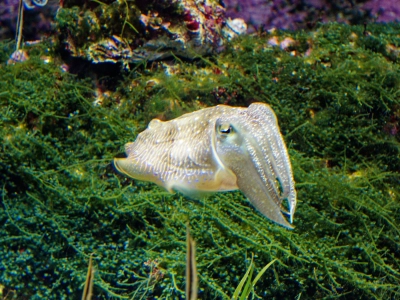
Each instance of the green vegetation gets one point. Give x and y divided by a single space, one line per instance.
247 284
62 201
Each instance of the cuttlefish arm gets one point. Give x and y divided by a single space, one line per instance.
250 144
274 148
263 197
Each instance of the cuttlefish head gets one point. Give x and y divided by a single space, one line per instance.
250 144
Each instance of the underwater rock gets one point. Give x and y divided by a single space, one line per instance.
30 4
132 32
18 56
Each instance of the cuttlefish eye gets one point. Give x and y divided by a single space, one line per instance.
225 128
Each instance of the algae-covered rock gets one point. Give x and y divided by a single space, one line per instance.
137 31
335 91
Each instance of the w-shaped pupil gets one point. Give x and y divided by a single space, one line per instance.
225 129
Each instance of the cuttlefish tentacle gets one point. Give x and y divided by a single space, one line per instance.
265 180
215 149
277 152
252 181
263 196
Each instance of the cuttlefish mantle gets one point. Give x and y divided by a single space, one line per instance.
215 149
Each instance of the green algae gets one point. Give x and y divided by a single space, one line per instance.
62 200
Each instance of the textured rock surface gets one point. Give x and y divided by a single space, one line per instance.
132 32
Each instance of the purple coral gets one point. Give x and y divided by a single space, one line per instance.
295 14
383 10
36 21
256 13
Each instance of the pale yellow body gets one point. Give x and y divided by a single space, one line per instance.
216 149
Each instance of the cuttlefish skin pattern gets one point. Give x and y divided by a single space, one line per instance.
215 149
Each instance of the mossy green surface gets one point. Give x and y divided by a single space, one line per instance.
61 199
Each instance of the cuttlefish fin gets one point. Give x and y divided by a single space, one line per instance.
223 180
133 169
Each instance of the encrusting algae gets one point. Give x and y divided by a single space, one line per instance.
149 30
335 91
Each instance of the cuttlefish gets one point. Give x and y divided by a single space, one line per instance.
217 149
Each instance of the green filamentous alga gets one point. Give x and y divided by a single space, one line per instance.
336 92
